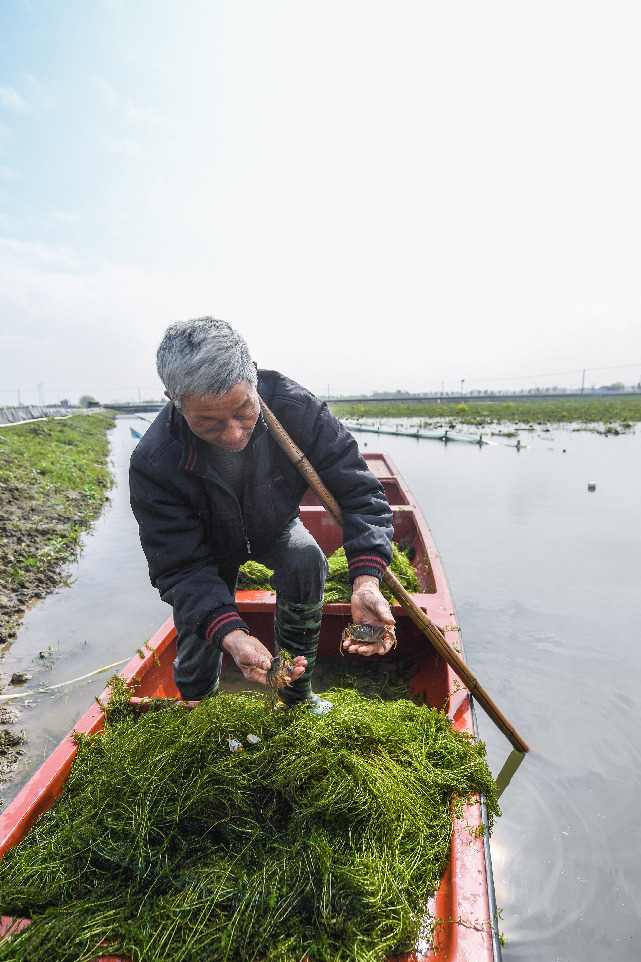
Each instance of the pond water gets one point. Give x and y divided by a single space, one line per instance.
545 576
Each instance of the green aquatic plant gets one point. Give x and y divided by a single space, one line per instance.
253 575
587 410
338 588
321 837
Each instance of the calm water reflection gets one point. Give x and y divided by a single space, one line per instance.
545 575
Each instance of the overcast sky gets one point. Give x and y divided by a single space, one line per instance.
378 195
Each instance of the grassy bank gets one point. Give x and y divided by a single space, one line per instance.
620 412
54 479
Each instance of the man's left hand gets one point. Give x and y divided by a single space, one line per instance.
370 607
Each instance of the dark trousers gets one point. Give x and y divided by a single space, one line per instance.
300 569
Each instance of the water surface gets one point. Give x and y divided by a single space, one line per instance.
545 577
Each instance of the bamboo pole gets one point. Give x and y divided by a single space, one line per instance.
418 616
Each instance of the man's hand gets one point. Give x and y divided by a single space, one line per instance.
253 658
369 606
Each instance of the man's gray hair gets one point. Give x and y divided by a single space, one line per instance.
205 357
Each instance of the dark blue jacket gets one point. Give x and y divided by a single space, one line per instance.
191 522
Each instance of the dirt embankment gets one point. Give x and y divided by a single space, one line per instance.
54 480
30 529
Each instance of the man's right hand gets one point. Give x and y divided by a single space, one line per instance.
253 659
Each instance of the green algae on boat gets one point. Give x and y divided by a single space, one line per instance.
325 838
253 575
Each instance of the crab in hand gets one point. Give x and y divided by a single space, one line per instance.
364 634
280 673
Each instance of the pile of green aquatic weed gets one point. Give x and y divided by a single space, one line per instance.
324 839
253 575
338 588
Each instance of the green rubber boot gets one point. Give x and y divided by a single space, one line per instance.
297 630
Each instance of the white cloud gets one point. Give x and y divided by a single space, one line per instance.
19 257
39 93
10 99
131 112
142 115
65 217
120 145
107 91
7 173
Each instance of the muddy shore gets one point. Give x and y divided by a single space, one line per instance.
20 537
54 481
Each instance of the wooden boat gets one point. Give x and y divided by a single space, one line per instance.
429 435
464 901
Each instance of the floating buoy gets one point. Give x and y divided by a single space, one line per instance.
591 486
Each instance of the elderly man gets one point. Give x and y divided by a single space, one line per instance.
210 488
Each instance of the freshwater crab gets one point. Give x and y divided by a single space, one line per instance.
368 634
280 673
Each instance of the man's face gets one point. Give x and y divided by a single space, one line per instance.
226 421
